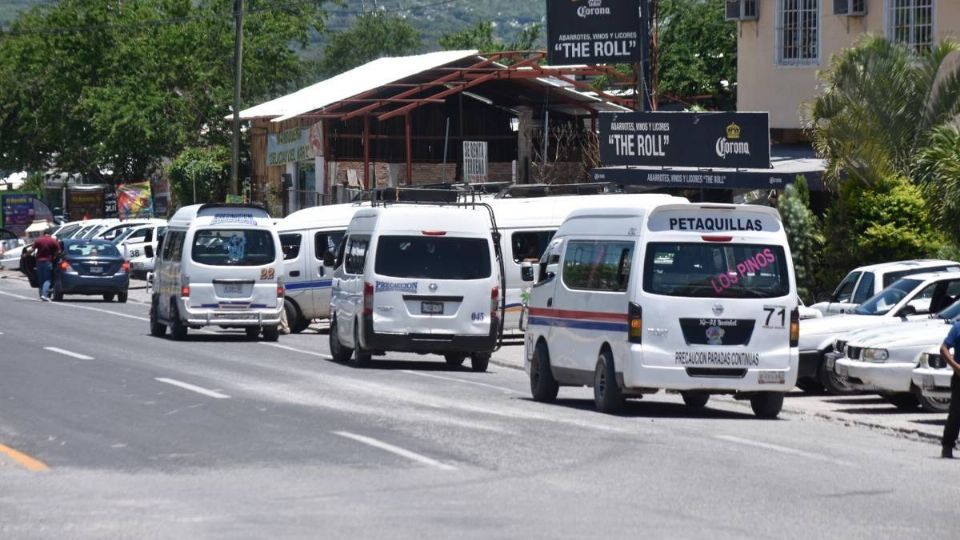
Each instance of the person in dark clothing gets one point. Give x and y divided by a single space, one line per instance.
46 248
952 429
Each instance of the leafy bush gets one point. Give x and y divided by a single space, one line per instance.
804 232
207 170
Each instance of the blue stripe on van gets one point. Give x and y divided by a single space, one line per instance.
319 284
579 324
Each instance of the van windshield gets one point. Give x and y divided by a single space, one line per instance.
233 247
432 257
710 270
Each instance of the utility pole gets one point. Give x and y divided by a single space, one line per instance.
237 72
644 82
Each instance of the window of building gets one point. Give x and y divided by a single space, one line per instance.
910 22
798 32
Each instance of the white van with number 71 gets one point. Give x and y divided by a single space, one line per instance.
695 298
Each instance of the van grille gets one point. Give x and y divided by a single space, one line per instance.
717 331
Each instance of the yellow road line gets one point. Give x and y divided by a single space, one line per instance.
24 460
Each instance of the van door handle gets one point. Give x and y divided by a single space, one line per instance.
323 271
295 273
549 302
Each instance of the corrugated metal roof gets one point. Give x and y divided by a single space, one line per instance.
369 76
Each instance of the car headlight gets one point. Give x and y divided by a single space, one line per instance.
875 355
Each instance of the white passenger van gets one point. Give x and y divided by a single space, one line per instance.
695 298
422 279
309 239
526 227
220 264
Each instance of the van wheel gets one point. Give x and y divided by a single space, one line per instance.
479 362
606 392
361 356
695 400
543 387
295 321
337 350
253 332
455 359
904 402
178 330
122 297
767 404
271 333
157 329
108 297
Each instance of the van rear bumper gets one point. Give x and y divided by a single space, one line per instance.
720 380
428 343
208 317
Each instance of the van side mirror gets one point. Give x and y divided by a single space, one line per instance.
328 259
148 251
526 271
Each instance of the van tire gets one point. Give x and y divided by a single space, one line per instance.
339 353
271 333
455 359
361 357
479 362
157 329
695 399
607 395
543 387
178 330
252 332
767 405
295 321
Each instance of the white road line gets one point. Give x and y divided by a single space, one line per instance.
18 296
301 351
413 456
503 389
68 353
782 449
66 304
193 388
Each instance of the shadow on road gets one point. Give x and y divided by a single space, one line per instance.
932 422
654 409
859 400
439 364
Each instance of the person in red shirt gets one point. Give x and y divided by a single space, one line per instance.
45 249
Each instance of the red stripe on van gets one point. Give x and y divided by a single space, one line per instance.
582 315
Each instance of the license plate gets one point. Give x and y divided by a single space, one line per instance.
771 377
928 383
232 289
842 370
431 308
96 269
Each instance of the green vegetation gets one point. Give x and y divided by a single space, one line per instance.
200 175
373 35
805 235
481 37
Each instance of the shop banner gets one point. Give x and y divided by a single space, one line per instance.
686 139
593 32
297 144
18 211
134 201
85 202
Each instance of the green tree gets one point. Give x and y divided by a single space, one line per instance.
481 37
373 35
805 237
109 88
938 167
882 104
200 175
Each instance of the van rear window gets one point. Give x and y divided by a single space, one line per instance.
233 247
431 257
709 270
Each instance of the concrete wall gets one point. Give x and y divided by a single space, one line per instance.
762 85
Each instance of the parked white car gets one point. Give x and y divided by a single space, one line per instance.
882 360
910 298
932 376
866 281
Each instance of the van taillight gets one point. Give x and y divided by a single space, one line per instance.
367 299
434 233
634 323
185 287
716 238
494 302
280 290
795 327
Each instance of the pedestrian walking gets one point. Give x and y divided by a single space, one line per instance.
952 428
45 250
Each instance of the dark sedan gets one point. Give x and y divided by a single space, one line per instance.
91 267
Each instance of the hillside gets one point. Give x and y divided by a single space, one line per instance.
432 17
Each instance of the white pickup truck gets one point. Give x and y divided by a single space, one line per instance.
866 281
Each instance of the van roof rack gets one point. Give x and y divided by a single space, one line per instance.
525 191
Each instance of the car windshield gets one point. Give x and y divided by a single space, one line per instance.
711 270
91 249
432 257
883 301
233 247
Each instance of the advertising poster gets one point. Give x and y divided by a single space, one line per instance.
85 203
593 32
134 201
18 212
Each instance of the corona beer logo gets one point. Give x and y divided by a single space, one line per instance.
732 143
593 7
733 131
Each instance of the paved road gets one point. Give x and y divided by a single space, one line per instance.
221 437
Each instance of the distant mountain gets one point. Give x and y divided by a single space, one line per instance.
432 17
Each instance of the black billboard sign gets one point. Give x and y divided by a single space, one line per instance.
593 32
705 179
686 139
